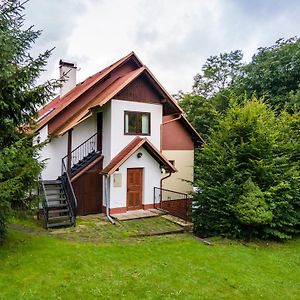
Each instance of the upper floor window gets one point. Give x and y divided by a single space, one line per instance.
137 123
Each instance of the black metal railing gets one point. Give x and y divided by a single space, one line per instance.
175 203
69 192
43 194
81 155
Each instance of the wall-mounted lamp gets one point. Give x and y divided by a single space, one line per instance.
139 155
38 139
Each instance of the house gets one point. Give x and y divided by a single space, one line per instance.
114 139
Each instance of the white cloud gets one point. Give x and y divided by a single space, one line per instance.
172 37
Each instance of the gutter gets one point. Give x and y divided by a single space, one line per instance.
161 126
106 182
172 120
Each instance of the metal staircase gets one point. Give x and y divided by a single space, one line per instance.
56 206
59 200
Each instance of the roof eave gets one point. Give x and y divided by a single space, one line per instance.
105 71
150 148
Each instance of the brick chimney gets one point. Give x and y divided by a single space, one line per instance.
67 71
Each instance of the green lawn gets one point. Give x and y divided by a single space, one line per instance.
35 264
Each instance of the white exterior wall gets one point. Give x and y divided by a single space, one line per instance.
52 152
151 179
114 140
84 130
57 148
119 140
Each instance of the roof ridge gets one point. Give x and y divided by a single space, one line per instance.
105 95
67 101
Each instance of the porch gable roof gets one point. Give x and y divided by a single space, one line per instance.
129 150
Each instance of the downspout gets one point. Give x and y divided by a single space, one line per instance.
106 182
172 120
167 176
161 180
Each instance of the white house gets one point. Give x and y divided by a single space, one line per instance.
118 136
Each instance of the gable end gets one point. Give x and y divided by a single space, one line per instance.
140 90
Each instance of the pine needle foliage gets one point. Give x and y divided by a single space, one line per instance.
20 98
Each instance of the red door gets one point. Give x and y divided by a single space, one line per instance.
134 188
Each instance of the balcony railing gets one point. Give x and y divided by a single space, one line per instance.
82 155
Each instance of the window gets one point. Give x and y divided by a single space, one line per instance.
137 123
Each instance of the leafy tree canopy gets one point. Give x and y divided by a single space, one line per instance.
273 75
274 72
201 112
218 73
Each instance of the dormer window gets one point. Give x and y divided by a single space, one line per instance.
137 123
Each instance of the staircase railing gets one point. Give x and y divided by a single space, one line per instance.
69 191
42 192
77 155
175 203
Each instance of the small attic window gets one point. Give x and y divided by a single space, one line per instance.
136 123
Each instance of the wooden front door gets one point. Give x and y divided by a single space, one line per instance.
134 188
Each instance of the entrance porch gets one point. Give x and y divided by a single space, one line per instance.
138 214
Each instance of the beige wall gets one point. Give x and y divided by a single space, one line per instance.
184 163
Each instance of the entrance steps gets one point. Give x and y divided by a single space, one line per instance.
57 211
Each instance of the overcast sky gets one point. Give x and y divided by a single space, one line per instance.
173 38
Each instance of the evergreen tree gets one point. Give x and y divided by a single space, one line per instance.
19 101
248 174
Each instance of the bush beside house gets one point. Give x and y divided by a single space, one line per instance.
248 174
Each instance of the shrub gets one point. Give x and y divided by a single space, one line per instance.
248 174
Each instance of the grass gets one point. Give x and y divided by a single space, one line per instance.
35 264
97 229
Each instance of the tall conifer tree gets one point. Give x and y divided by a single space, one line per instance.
20 98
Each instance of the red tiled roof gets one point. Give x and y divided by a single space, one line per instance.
59 103
133 146
103 97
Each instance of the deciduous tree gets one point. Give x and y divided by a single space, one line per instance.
274 72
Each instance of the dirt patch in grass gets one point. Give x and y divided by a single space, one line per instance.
97 229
